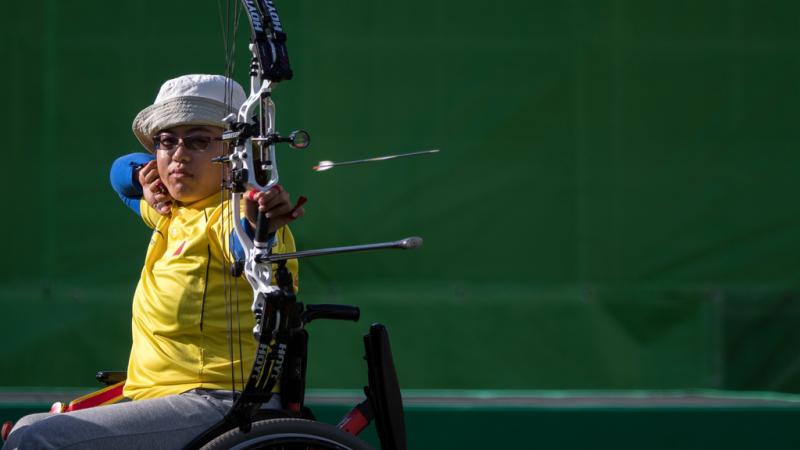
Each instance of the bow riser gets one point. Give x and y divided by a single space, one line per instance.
254 167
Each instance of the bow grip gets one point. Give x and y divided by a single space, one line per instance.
262 235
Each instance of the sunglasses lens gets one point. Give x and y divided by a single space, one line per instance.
197 142
166 141
170 142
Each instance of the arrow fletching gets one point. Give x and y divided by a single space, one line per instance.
324 165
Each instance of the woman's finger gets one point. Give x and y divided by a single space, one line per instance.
148 177
148 167
162 207
278 210
276 223
152 177
297 212
268 204
157 187
142 172
260 196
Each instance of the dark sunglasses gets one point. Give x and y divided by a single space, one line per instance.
166 141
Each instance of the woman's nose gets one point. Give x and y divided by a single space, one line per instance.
180 154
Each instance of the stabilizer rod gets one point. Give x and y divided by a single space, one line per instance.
407 243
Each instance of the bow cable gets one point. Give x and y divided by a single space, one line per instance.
229 29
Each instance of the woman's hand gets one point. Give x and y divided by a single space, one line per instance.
154 191
277 206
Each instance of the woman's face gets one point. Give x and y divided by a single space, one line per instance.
183 156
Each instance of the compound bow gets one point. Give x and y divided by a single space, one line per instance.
252 163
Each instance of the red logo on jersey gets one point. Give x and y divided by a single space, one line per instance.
180 249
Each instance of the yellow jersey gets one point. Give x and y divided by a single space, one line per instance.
180 330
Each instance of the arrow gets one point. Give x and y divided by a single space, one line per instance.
327 165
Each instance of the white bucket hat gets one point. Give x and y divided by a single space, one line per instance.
188 100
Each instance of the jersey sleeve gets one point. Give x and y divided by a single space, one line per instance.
225 240
123 181
149 215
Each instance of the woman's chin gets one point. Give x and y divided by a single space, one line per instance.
182 195
186 196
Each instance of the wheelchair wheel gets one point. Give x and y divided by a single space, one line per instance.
288 434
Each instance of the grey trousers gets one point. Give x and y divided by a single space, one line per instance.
163 423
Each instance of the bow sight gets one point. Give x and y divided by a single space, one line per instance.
238 135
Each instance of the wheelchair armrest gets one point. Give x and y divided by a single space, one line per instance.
109 377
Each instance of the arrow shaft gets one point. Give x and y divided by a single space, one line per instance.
384 158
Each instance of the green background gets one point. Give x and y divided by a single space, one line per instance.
613 206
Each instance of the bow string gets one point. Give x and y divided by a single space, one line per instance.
251 164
